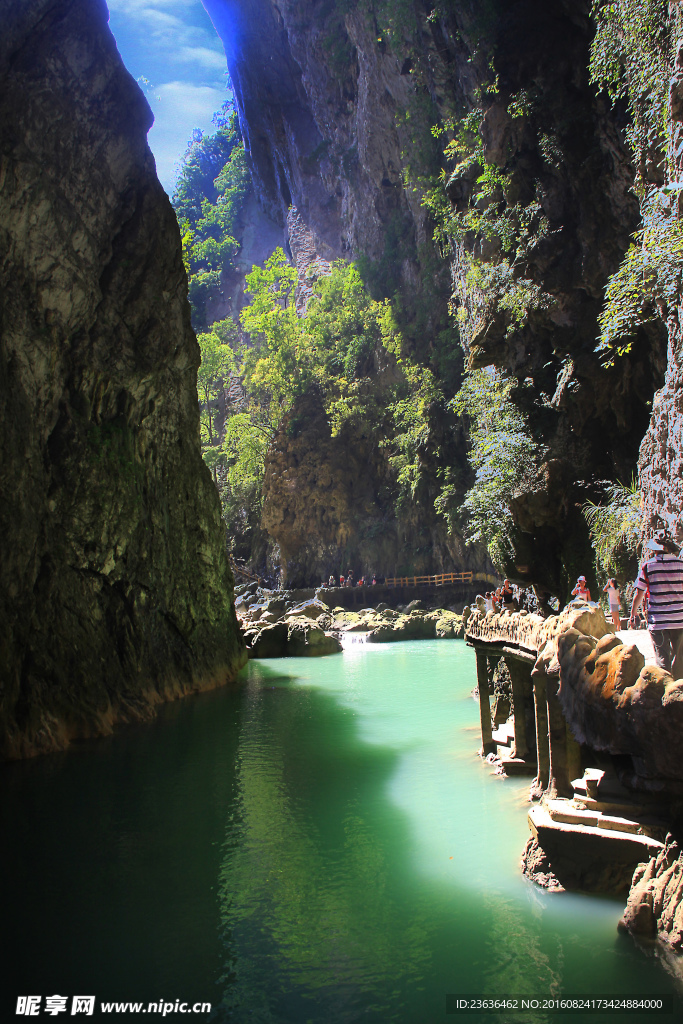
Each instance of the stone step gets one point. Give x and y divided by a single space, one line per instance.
598 785
618 808
518 766
590 842
504 735
565 812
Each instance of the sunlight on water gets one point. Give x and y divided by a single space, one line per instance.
321 845
421 888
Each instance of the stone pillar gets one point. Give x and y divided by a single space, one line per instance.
573 758
540 783
559 780
487 744
519 674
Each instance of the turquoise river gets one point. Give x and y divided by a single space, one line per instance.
322 845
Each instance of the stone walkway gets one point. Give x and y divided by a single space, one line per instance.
642 640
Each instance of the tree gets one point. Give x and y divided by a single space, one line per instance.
502 454
209 198
217 365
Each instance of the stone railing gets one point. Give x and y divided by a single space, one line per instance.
530 633
574 666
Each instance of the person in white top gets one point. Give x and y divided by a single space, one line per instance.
581 591
614 599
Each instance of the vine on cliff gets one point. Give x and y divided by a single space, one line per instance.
632 59
503 456
615 527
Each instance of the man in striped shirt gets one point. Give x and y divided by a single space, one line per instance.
662 577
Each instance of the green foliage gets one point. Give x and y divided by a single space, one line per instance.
330 348
648 279
503 456
210 194
411 434
488 237
631 59
244 449
204 160
337 349
615 526
217 365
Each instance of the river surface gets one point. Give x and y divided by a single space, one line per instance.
321 846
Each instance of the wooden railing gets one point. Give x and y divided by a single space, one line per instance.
433 581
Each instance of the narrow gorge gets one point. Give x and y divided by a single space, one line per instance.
410 318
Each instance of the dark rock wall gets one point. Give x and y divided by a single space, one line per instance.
323 94
116 591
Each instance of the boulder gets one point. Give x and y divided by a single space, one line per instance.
655 903
269 642
307 640
311 609
406 627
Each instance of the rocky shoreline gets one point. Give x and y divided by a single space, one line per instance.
305 623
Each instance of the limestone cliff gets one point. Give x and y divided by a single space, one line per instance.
336 102
329 505
116 589
661 453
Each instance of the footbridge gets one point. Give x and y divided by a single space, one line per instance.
598 729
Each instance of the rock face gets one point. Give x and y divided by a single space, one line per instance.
116 588
336 102
328 505
655 902
661 453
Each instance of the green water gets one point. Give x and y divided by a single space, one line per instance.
320 846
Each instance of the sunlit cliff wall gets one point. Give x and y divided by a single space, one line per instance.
336 112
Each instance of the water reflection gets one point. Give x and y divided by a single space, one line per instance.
306 890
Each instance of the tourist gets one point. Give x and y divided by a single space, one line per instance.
661 576
331 582
374 581
581 591
349 578
506 593
489 601
614 599
341 581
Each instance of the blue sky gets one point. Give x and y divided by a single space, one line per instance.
173 44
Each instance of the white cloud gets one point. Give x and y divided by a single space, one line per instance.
172 39
162 23
132 7
182 106
202 56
